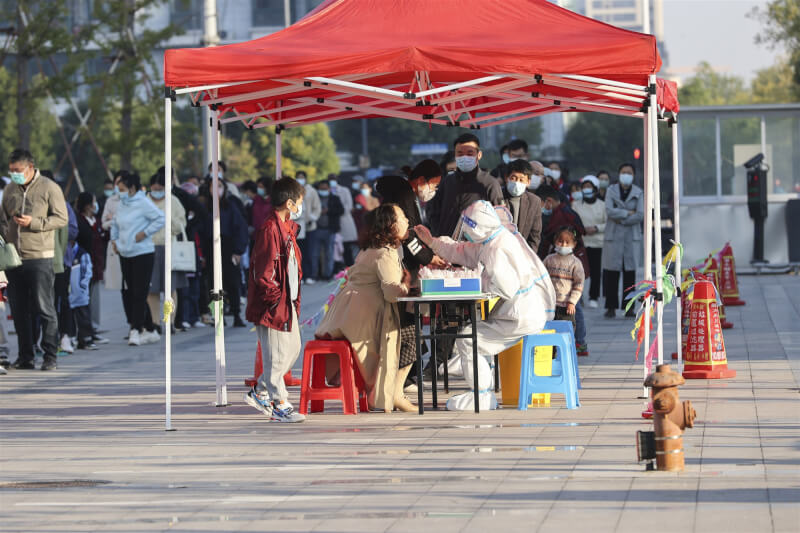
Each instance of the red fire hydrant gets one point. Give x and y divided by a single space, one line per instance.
670 417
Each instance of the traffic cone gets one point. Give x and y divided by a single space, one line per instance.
705 354
258 369
729 286
686 304
712 270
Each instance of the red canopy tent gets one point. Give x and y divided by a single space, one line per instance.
467 63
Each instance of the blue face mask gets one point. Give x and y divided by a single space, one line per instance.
324 193
96 208
116 190
158 195
588 194
17 177
261 192
108 192
547 212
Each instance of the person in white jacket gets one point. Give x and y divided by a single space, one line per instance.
307 222
510 272
347 228
593 216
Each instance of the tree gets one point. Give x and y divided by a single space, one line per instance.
775 84
708 87
40 123
781 27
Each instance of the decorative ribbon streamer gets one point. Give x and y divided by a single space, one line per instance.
215 308
169 307
339 279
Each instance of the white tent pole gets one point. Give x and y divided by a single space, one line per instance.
278 152
656 201
647 240
217 299
676 230
168 255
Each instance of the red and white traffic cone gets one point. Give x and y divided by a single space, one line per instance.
728 284
705 356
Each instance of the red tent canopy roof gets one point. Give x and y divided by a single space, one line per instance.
367 58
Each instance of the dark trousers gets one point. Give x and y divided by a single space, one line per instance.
30 291
231 282
351 250
126 300
303 245
189 296
561 314
83 322
136 274
321 240
61 303
611 287
595 256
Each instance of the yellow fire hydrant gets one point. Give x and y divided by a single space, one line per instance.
670 417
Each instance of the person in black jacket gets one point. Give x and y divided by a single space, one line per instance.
525 207
460 189
328 224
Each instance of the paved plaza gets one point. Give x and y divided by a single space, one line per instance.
84 448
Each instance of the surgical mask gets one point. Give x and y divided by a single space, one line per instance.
577 196
506 159
219 174
626 179
96 208
301 181
515 188
466 163
158 195
17 177
366 192
535 182
108 192
547 212
588 194
116 190
356 186
555 174
295 215
333 184
324 194
564 250
260 191
426 194
604 184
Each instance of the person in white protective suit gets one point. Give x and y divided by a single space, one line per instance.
512 272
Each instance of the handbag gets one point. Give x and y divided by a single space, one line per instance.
9 258
184 255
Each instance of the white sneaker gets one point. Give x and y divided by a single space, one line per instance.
66 344
185 325
284 412
593 304
310 281
199 324
150 337
134 339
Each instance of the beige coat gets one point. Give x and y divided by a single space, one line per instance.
365 313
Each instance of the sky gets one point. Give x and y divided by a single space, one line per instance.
717 31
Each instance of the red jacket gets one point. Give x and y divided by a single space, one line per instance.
268 286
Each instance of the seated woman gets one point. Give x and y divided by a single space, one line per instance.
365 312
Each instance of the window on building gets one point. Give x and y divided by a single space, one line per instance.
186 14
699 159
268 13
301 8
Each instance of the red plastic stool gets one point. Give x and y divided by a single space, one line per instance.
313 389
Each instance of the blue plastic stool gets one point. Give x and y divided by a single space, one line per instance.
564 378
565 326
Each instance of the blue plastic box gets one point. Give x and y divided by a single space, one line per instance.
450 287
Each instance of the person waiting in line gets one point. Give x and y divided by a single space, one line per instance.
233 233
523 286
593 216
566 272
424 180
79 280
92 240
537 176
177 227
515 150
198 231
603 182
307 223
273 300
132 229
347 226
365 311
525 207
468 184
364 201
623 238
331 210
112 277
448 163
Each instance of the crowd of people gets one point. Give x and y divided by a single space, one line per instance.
278 236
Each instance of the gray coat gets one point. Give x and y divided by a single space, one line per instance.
623 236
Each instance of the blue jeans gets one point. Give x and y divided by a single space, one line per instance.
580 325
319 240
189 296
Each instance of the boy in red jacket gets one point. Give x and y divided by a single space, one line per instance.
273 300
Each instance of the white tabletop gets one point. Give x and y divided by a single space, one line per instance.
444 298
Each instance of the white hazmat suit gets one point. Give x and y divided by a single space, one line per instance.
512 272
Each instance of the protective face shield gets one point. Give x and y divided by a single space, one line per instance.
479 222
506 218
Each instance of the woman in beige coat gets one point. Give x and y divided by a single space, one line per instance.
365 310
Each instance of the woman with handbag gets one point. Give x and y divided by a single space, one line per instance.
177 225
